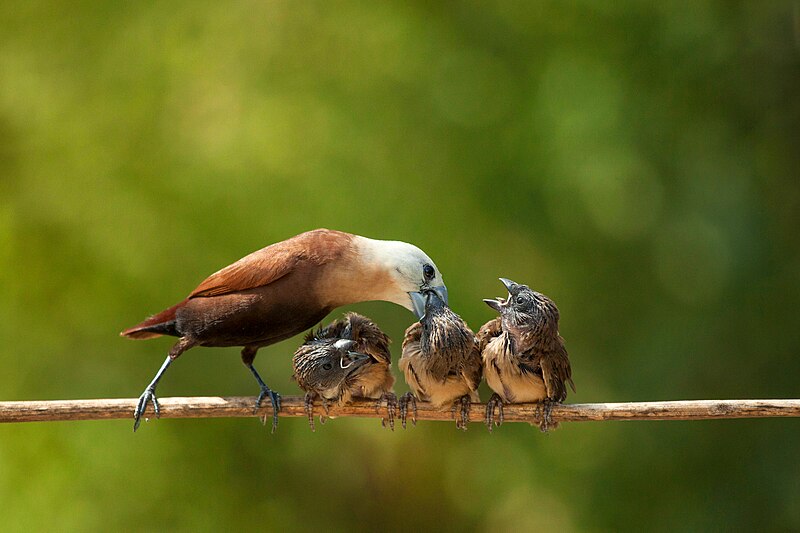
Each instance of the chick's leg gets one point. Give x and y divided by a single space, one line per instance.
403 403
495 402
391 408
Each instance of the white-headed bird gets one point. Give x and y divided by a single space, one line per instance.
284 289
440 360
524 357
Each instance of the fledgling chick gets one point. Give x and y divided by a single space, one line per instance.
440 360
349 358
524 357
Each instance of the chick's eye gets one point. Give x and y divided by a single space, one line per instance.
327 366
428 272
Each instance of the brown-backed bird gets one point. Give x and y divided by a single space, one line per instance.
284 289
440 360
524 357
349 358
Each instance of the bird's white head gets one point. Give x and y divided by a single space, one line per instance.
407 270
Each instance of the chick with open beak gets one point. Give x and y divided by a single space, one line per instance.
349 358
524 357
440 360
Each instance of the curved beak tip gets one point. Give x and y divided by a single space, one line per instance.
508 283
417 303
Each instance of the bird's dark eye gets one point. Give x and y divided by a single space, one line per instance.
327 366
429 272
520 300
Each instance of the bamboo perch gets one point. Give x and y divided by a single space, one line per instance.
242 406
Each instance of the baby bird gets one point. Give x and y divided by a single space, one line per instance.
440 360
524 357
349 358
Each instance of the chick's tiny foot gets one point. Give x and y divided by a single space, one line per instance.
403 403
326 408
308 405
547 422
464 403
495 402
391 408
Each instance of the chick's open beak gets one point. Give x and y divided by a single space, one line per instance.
497 304
354 360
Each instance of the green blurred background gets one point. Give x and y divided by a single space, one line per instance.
636 162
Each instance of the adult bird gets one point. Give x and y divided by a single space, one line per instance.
284 289
524 356
440 360
349 358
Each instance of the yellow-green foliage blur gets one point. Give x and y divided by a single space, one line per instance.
637 162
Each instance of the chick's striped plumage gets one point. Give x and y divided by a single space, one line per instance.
348 377
440 360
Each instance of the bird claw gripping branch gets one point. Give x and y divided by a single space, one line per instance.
149 395
391 408
544 413
463 404
404 402
308 405
495 402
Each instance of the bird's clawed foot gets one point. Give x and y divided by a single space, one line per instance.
391 408
495 402
326 408
403 403
465 404
149 395
545 420
308 405
275 398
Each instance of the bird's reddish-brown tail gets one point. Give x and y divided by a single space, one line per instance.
162 323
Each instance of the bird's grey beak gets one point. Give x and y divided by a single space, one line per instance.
510 285
354 360
418 299
497 305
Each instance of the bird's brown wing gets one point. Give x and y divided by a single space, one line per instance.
556 372
411 357
489 331
472 370
274 262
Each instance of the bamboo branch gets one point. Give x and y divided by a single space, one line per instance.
242 406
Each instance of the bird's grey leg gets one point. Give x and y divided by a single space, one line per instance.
495 402
149 394
391 408
274 397
406 399
248 355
